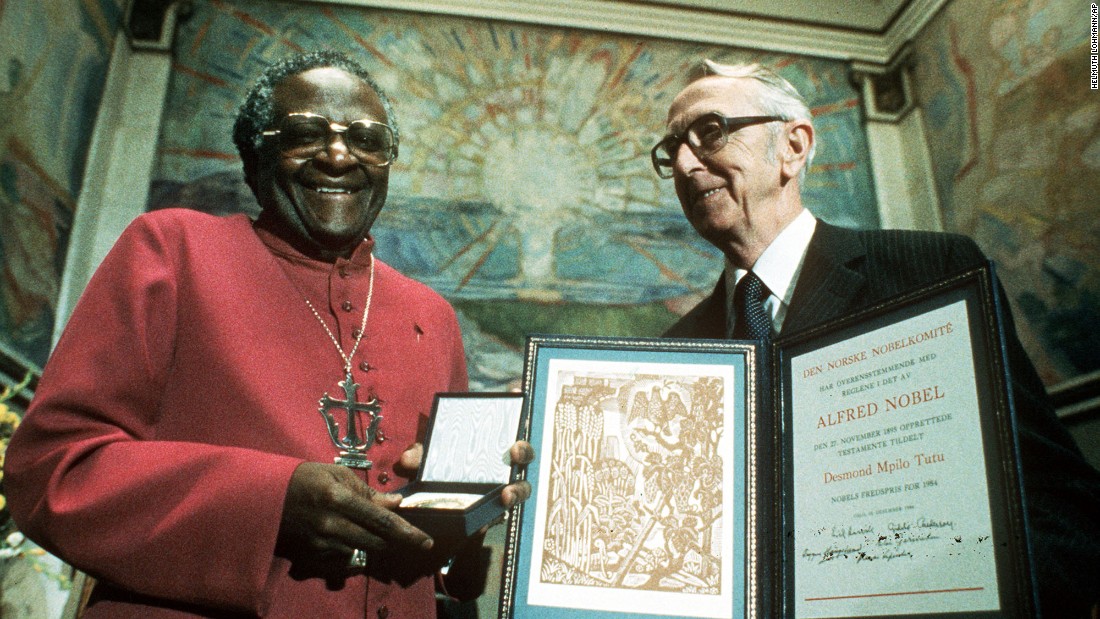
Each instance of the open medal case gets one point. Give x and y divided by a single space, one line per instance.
466 463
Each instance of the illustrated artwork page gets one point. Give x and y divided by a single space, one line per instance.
635 508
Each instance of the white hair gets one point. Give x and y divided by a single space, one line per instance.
776 97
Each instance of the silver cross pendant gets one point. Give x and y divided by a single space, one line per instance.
354 444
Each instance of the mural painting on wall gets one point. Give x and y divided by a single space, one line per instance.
53 60
53 63
1011 80
524 192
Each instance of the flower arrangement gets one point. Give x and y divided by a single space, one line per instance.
10 538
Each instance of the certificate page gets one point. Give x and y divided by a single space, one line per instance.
891 504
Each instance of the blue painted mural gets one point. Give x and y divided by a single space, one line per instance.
524 192
53 64
1014 134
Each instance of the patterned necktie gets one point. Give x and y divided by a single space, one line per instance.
753 321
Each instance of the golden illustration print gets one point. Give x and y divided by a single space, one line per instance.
635 492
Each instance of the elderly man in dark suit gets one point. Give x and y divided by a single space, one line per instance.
740 139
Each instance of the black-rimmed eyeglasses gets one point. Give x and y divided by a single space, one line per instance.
304 134
705 136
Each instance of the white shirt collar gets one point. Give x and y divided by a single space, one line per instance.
778 267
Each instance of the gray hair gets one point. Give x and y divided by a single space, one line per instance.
776 96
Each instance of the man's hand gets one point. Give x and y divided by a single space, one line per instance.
330 512
522 454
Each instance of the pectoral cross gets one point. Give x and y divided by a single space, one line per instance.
352 446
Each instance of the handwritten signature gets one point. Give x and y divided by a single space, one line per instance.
894 543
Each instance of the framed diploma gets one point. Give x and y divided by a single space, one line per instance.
900 470
647 488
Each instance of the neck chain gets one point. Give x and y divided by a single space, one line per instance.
362 325
355 443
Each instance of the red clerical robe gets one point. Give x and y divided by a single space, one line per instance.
184 392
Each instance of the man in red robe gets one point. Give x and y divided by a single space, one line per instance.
174 450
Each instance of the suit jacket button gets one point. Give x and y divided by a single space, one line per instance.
384 477
383 612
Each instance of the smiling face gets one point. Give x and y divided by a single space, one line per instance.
326 204
738 198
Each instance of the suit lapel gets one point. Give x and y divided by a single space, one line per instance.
709 318
829 280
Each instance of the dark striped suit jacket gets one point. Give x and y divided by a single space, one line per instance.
848 270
